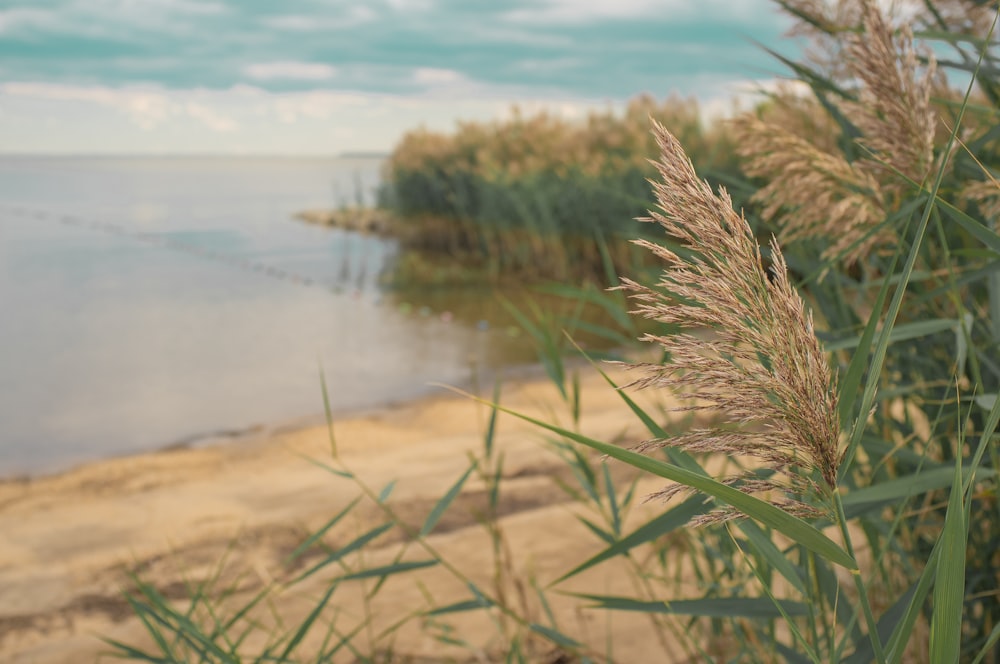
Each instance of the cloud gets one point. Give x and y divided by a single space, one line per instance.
434 77
145 108
210 117
290 70
23 17
61 119
314 105
589 11
349 17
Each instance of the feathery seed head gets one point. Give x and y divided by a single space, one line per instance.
746 347
814 191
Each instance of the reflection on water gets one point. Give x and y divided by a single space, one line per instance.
146 301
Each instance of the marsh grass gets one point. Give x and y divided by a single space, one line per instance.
537 197
843 463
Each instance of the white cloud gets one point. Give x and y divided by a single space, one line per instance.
587 11
144 107
432 77
147 7
210 117
22 17
290 70
314 105
410 5
61 119
349 17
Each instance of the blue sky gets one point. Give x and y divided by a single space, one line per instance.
326 76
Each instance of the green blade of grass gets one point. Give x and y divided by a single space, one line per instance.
386 492
878 495
763 544
446 500
976 229
791 526
863 653
555 636
459 607
904 630
709 607
351 547
307 624
132 653
491 425
659 526
389 570
991 641
312 539
604 535
609 490
949 586
851 381
903 332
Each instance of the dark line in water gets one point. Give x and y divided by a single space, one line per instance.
169 244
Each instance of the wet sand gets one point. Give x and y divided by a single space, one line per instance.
68 542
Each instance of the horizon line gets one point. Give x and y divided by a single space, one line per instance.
347 154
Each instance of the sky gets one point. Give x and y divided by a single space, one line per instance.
322 77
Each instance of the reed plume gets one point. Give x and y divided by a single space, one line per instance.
893 110
818 193
812 193
746 347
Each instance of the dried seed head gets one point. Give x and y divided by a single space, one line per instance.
815 192
893 111
747 346
812 193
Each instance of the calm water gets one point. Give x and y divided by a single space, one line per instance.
149 301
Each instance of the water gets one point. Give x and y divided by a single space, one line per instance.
145 301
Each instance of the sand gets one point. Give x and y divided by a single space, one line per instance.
68 542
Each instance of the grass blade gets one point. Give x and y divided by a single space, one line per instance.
389 570
949 588
659 526
353 546
709 607
445 501
791 526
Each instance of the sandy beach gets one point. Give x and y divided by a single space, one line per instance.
68 542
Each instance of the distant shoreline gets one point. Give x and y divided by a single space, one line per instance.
190 155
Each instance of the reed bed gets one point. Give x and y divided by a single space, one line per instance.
537 196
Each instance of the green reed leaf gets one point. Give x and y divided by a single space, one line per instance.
350 548
446 500
709 607
949 587
791 526
905 332
875 496
555 636
307 624
659 526
763 544
389 570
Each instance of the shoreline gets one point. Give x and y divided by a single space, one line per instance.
69 541
290 425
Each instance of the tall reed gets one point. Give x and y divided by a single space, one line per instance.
538 196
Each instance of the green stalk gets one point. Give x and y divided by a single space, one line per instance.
859 583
